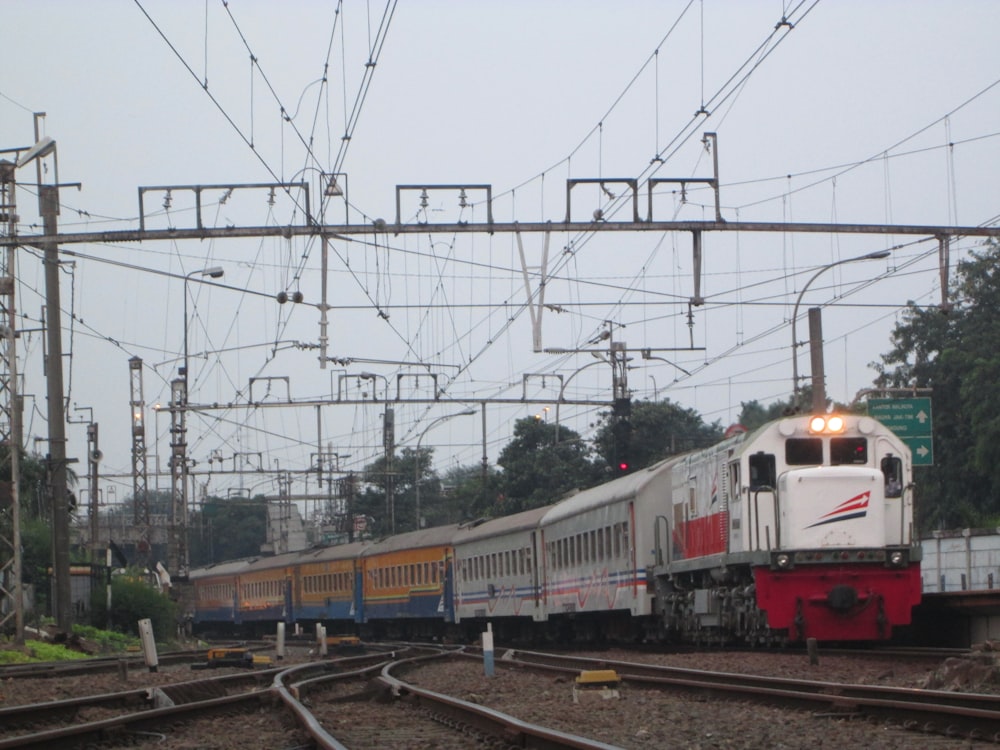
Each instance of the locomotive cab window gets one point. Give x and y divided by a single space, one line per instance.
848 450
762 471
804 451
892 470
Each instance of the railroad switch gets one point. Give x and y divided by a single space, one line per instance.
597 683
345 644
233 657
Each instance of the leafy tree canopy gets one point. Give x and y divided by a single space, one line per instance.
658 429
227 529
957 355
541 464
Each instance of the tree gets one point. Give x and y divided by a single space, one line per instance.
466 497
658 429
541 464
408 467
754 415
227 529
957 355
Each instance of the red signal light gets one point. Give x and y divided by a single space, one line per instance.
622 466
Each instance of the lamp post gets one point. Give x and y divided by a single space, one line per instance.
214 272
177 558
416 462
656 393
877 255
48 208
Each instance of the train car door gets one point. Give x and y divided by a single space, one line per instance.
288 610
533 565
735 506
237 610
358 593
448 595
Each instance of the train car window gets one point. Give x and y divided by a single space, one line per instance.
803 452
848 450
892 470
734 480
762 471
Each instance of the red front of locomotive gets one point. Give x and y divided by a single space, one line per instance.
837 600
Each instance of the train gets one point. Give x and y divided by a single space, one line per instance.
801 529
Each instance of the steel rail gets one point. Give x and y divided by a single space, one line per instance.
944 712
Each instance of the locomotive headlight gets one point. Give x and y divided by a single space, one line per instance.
826 424
783 560
896 558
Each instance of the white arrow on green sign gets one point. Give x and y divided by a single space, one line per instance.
912 420
907 417
922 450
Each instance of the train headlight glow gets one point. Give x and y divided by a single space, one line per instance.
826 424
783 560
896 558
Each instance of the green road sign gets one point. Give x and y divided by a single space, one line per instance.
907 417
910 419
922 449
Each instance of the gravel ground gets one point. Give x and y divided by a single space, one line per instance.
640 719
644 719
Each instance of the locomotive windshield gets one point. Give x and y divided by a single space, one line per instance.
804 451
852 450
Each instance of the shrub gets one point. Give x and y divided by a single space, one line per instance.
109 641
133 599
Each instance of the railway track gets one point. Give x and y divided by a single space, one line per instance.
974 716
306 696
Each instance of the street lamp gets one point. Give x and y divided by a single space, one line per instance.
416 462
214 272
48 208
177 557
877 255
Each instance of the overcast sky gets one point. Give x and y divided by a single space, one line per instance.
852 112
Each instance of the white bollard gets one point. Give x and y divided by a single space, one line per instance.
488 650
148 644
279 647
322 640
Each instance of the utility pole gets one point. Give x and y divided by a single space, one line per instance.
11 596
389 441
48 202
94 457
